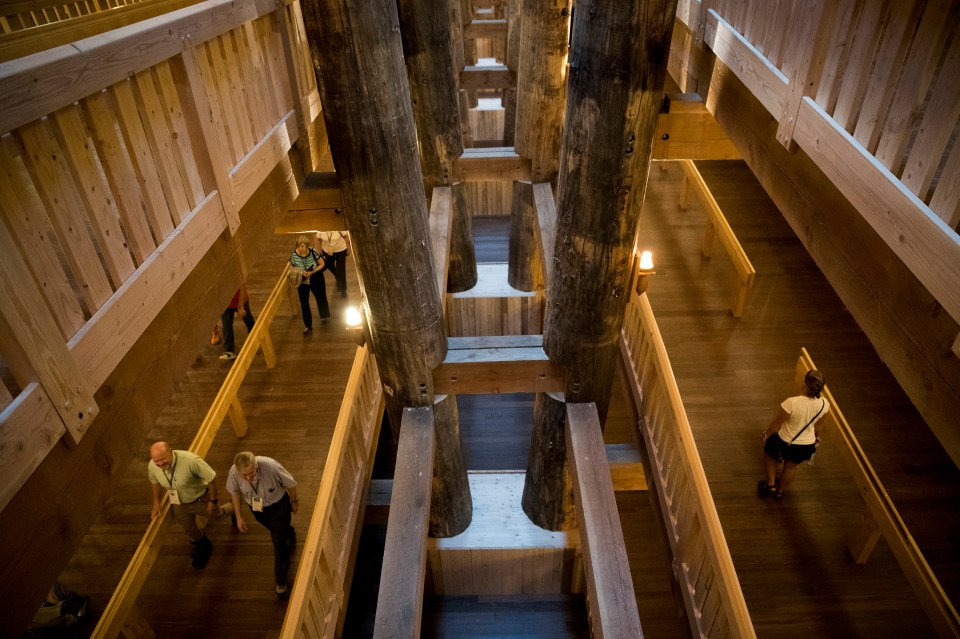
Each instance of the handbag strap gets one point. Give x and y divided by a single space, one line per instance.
823 403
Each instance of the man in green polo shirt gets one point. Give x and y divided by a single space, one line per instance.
190 484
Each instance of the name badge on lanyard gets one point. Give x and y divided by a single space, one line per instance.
257 505
173 496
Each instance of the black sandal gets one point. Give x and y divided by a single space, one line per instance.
766 489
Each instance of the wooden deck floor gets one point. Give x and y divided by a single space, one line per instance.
797 577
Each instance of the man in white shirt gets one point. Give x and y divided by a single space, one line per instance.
336 244
271 493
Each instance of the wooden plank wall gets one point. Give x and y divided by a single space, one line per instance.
116 196
896 267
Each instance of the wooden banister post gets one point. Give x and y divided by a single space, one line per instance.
863 540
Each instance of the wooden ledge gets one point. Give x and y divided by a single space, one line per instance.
510 364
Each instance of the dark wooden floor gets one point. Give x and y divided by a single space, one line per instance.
790 554
797 577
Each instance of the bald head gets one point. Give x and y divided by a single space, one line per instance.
161 454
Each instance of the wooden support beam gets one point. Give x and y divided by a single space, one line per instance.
611 599
487 77
193 81
400 600
508 364
546 209
491 163
691 136
485 29
30 336
541 88
29 428
441 214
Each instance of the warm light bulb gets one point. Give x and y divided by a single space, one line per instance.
353 317
646 261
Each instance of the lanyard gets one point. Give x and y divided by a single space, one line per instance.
173 472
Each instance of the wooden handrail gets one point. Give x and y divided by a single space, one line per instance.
400 598
717 226
884 517
54 33
138 570
318 600
611 600
702 561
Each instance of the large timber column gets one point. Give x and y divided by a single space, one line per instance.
512 61
541 82
426 35
618 58
358 59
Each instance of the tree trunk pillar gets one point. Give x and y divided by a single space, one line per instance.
525 265
547 490
427 47
541 81
451 507
512 61
358 59
614 90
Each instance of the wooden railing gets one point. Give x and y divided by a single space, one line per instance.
121 611
123 159
319 596
717 226
881 517
611 601
894 144
701 558
28 27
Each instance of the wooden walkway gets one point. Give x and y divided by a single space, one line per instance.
790 555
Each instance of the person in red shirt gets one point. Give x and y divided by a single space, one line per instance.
239 305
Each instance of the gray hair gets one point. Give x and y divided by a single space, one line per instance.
244 460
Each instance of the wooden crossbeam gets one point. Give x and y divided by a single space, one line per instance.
490 76
491 163
506 364
612 602
400 600
485 29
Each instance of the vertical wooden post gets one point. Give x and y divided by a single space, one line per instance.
357 53
462 268
541 82
451 508
426 36
547 489
615 88
356 48
525 269
512 62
